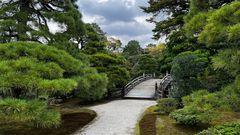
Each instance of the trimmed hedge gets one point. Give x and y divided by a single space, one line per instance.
167 105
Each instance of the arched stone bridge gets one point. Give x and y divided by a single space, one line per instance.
146 86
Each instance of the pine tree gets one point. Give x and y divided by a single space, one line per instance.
94 40
172 20
28 20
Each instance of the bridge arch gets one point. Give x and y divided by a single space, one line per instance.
135 82
146 84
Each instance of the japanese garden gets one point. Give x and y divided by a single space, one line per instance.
66 71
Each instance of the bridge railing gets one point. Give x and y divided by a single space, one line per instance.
121 92
135 82
162 90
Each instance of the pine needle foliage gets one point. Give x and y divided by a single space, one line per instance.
33 112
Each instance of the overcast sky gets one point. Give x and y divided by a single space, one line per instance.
122 19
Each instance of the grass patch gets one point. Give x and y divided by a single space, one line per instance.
72 120
152 123
227 117
168 126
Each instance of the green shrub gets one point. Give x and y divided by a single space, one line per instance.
199 107
167 105
188 100
186 81
118 76
203 107
43 53
112 65
57 86
91 87
32 112
226 129
231 95
28 68
185 116
28 75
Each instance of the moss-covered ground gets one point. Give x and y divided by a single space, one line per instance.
152 123
146 124
168 126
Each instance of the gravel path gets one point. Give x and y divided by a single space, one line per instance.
117 117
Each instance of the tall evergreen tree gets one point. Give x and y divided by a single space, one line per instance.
132 48
197 6
94 41
28 20
173 12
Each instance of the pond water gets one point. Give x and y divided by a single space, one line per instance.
70 123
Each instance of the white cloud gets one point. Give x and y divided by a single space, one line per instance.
121 19
55 27
142 20
144 39
102 1
4 1
131 28
121 24
129 3
93 19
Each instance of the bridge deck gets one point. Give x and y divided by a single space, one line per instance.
145 89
